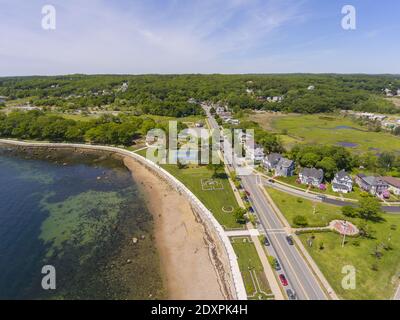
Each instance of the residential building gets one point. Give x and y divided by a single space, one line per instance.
256 153
235 121
244 137
311 176
398 92
371 184
271 161
199 125
284 168
342 182
394 185
311 88
219 110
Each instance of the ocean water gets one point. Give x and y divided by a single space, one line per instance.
78 213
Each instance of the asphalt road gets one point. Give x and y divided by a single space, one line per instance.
310 196
297 272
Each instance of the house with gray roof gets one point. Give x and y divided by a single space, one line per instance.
311 176
342 182
281 166
372 184
271 161
394 184
285 168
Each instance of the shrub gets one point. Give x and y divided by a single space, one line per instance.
300 221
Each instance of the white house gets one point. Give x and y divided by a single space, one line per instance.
235 121
311 176
311 88
256 153
342 182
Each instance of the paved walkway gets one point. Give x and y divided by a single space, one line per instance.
243 233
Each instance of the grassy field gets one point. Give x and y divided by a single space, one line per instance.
333 130
376 278
215 200
358 252
292 206
251 268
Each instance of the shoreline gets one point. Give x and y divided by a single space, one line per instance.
195 264
187 268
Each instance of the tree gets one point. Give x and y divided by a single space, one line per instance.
309 159
370 209
349 211
300 221
239 215
386 160
215 167
329 166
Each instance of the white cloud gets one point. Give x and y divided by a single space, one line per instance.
100 37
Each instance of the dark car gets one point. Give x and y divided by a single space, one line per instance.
289 239
283 280
248 193
266 242
291 294
251 209
271 181
277 265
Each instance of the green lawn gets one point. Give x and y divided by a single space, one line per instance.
359 252
292 206
214 200
332 129
251 268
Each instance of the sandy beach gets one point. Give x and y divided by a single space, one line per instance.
187 266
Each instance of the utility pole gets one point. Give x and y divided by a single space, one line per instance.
344 234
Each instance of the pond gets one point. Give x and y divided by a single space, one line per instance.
347 144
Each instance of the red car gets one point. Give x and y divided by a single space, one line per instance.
248 193
283 280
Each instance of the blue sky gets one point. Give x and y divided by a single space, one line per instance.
199 36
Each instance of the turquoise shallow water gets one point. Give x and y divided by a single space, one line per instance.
78 213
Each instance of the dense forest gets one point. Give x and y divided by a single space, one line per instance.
175 95
37 125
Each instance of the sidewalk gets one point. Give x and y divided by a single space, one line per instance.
310 261
269 273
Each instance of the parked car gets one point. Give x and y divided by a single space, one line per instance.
291 294
266 241
248 193
289 239
283 280
277 265
251 209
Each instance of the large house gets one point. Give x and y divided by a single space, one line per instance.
311 176
394 185
282 166
271 161
342 182
371 184
256 153
285 167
